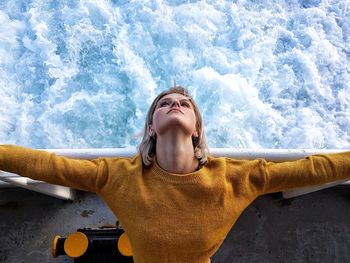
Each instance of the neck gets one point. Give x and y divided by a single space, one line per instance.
175 154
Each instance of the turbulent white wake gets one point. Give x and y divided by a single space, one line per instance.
266 74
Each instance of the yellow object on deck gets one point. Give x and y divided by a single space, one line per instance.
124 245
76 244
54 245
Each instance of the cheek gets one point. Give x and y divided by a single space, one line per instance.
156 118
194 121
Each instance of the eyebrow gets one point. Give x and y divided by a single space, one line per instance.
168 99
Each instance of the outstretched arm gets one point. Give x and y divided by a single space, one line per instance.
85 175
312 170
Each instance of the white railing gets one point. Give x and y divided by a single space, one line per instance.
276 155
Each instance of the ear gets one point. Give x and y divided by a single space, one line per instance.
150 130
195 134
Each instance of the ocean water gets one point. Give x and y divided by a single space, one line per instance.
266 74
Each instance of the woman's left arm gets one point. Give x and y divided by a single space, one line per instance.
312 170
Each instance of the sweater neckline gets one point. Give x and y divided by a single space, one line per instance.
176 178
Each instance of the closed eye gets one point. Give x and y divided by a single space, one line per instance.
185 104
163 104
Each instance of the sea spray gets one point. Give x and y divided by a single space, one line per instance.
80 74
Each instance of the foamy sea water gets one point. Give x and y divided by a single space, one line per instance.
266 74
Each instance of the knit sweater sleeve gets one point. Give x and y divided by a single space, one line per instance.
312 170
87 175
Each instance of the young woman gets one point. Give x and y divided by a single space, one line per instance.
175 202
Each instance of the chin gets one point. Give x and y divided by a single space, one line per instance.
173 125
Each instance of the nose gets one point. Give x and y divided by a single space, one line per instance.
175 103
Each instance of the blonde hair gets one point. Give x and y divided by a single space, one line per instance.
147 147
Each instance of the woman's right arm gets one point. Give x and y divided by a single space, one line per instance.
87 175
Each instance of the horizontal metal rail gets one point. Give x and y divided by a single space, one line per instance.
275 155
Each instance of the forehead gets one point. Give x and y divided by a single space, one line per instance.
175 96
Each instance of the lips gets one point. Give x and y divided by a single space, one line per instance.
175 110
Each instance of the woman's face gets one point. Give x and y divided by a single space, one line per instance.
174 111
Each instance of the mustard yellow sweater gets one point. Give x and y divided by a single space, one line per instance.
170 217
